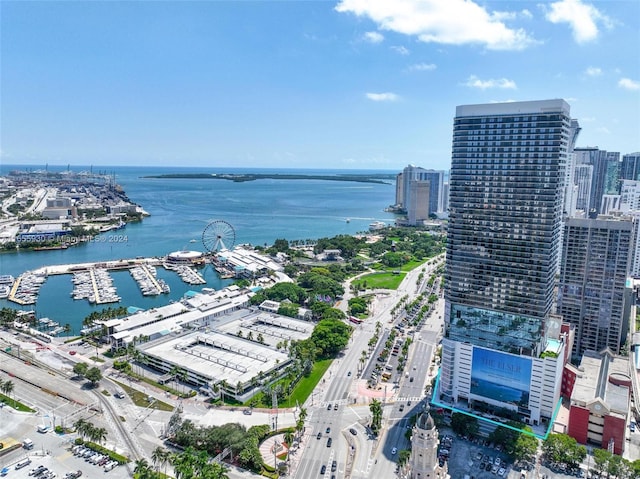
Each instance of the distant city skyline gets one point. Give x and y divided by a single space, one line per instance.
354 84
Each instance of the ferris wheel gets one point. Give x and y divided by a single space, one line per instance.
218 235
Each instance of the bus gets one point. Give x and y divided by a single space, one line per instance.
355 320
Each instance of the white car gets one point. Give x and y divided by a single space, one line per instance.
393 451
501 471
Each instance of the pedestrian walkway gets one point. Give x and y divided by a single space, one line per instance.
273 450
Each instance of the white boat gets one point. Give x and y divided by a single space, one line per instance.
377 225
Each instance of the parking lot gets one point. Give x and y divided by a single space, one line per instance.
54 453
474 459
62 465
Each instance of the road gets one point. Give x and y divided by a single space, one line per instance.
362 456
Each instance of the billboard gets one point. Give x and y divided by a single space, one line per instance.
501 376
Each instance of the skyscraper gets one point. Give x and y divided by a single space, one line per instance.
630 167
596 259
420 193
604 181
506 197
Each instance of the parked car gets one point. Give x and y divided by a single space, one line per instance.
353 431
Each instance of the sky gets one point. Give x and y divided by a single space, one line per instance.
352 84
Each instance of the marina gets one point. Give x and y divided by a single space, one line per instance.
187 273
25 289
146 277
95 285
92 281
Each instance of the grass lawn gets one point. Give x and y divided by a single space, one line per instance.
140 399
411 265
307 384
18 406
381 280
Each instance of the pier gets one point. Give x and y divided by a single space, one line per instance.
26 287
92 281
145 276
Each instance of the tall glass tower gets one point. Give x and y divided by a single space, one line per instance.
506 196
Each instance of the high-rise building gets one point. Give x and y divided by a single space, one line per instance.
630 166
596 260
506 200
582 176
605 175
418 197
420 193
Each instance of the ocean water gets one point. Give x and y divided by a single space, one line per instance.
259 211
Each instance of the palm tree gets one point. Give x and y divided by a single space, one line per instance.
183 378
288 438
143 360
99 434
376 415
303 413
158 456
162 456
223 386
299 427
7 388
142 468
82 427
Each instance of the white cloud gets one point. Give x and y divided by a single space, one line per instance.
387 96
422 67
373 37
526 14
603 129
593 71
582 18
475 82
452 22
587 119
400 49
629 84
511 15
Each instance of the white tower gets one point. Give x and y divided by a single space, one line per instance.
424 450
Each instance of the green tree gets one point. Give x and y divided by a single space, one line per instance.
142 469
7 388
82 427
94 375
289 309
333 313
524 447
331 336
464 424
563 449
376 415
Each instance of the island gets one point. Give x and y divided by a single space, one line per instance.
380 178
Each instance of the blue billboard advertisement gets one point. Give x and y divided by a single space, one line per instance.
500 376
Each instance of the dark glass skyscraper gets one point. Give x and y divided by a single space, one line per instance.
505 214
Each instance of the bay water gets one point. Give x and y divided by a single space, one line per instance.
259 211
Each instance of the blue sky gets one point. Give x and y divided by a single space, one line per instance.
349 84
